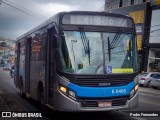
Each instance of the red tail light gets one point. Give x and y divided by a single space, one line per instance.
142 78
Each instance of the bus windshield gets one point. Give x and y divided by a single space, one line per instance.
97 52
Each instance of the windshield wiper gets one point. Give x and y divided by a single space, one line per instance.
113 44
109 50
85 42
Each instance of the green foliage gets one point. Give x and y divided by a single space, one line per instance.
3 44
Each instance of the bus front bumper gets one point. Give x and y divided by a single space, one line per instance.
65 103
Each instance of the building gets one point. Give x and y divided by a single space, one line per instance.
146 15
8 52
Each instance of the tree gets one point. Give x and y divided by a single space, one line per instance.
3 44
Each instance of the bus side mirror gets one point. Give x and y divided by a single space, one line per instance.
55 41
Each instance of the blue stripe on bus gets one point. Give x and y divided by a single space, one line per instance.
101 91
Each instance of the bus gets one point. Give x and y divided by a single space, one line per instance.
79 61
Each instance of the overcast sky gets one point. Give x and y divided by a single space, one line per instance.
19 16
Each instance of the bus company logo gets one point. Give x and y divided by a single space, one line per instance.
6 114
104 84
21 114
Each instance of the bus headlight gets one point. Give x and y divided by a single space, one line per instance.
67 92
134 90
63 89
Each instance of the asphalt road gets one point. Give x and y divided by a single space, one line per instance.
147 102
7 83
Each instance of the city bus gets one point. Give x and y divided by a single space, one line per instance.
79 61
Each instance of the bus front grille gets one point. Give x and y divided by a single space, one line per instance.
103 81
93 102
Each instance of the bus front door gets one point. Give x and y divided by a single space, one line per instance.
50 67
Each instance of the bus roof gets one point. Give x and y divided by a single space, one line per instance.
55 19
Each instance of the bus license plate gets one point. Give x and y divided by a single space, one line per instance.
104 104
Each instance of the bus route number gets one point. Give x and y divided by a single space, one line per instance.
118 91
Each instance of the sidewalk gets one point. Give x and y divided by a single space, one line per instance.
149 90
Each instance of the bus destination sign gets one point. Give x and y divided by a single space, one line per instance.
96 20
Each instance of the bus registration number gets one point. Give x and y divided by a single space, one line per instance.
119 91
104 104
